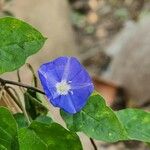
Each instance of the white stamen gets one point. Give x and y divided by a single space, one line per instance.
62 87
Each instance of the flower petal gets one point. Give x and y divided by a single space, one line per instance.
70 70
60 64
67 104
80 97
74 69
48 71
48 79
49 90
81 78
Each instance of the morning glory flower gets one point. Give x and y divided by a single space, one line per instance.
66 83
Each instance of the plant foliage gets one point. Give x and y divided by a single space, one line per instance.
34 129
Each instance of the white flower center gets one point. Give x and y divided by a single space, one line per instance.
62 87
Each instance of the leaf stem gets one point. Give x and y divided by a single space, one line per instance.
4 82
93 143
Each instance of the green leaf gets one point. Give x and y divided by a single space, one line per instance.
28 140
8 129
98 121
44 119
136 122
2 147
56 137
5 138
21 120
34 105
18 40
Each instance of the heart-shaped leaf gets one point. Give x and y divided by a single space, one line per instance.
99 122
18 40
56 137
42 134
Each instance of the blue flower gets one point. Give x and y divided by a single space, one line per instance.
66 83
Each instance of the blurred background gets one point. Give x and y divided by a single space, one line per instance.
110 37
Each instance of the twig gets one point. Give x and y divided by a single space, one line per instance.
18 75
13 97
93 143
3 82
18 103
